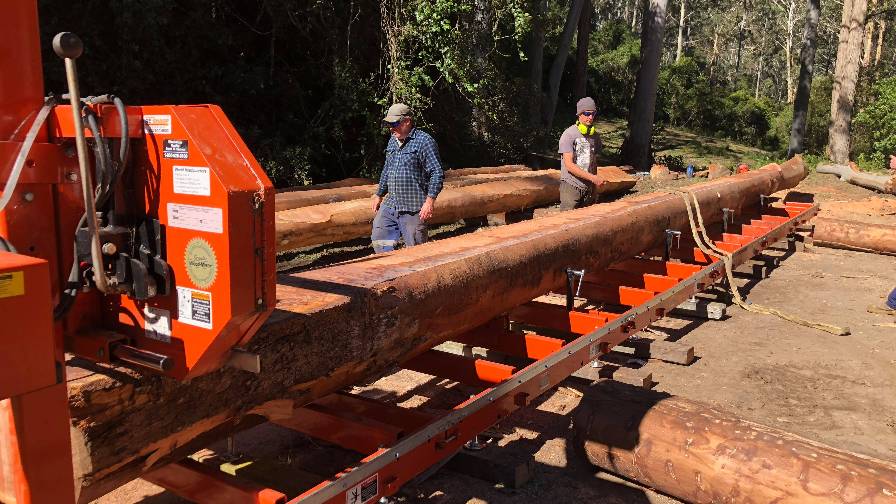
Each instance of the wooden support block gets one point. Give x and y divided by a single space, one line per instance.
497 219
495 465
667 351
640 377
701 308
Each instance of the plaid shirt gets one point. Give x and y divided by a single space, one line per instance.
412 172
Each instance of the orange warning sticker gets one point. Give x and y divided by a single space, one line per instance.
12 283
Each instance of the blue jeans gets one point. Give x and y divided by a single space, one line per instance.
390 224
891 300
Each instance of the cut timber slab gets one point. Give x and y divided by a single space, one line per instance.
340 325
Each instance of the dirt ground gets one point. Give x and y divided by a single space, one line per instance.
837 390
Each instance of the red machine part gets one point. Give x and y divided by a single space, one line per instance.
194 174
35 451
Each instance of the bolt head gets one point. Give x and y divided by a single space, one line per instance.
28 196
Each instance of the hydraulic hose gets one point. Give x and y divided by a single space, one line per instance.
19 163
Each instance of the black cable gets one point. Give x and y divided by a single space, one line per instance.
5 245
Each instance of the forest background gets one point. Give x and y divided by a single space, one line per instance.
306 82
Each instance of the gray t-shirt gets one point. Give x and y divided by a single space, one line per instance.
584 150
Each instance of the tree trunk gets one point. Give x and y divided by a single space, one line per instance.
804 86
849 52
704 455
881 30
638 6
788 51
389 19
758 76
869 39
681 20
741 30
536 62
583 39
572 19
715 53
338 325
636 148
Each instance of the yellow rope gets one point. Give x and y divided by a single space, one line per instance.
701 237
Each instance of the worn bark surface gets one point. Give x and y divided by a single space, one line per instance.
704 455
338 325
855 235
315 225
298 199
882 183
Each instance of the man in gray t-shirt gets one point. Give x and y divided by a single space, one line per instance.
579 145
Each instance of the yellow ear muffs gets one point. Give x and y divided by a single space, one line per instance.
585 129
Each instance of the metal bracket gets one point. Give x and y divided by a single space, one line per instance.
727 218
570 280
246 361
671 234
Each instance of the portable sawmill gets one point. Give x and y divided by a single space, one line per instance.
129 234
138 243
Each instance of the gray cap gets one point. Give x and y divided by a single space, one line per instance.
584 104
396 112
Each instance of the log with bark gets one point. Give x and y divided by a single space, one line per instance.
334 222
484 170
298 199
882 183
342 324
854 235
701 454
349 182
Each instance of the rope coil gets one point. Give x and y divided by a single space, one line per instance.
706 245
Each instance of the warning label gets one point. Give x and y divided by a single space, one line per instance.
176 149
159 124
194 307
192 180
364 492
197 218
12 283
157 323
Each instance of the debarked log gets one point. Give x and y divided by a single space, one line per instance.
349 182
338 325
701 454
854 235
298 199
347 220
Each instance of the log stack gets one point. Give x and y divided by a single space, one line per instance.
342 324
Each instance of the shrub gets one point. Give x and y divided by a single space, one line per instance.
874 127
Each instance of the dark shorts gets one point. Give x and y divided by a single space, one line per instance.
572 197
389 225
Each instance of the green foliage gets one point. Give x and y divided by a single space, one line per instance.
684 96
613 62
874 127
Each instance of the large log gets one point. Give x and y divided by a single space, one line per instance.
349 182
882 183
704 455
854 235
460 172
342 324
298 199
347 220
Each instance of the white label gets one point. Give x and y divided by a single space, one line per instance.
194 307
157 323
192 180
197 218
157 123
364 492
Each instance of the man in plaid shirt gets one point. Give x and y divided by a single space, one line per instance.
411 180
